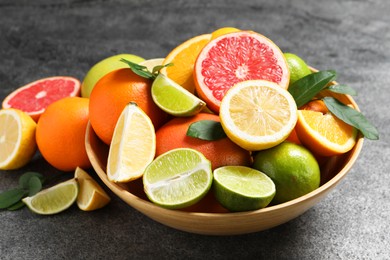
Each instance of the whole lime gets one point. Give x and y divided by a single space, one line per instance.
297 66
293 169
102 68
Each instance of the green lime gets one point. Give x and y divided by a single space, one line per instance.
102 68
298 67
240 188
178 178
293 169
54 199
174 99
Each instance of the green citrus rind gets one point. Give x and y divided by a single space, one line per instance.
240 188
178 178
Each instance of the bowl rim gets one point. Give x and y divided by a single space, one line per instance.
325 187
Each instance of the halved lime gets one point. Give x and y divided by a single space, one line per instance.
54 199
174 99
240 188
178 178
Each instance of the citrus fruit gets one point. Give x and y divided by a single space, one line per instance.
110 96
293 169
258 114
293 137
152 63
174 99
236 57
54 199
34 97
17 139
178 178
103 67
220 152
91 195
183 58
223 31
60 134
325 134
240 188
298 67
133 145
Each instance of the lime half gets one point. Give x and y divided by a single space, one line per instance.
174 99
240 188
54 199
178 178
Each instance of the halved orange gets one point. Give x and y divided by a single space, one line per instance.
183 58
324 133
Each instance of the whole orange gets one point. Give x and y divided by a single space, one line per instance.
60 133
110 96
220 152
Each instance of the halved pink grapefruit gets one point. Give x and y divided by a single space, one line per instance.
34 97
237 57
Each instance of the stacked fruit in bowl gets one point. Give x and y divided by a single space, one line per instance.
225 123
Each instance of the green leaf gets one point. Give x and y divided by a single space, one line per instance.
139 69
157 68
18 205
10 197
304 89
206 130
352 117
34 185
25 179
342 89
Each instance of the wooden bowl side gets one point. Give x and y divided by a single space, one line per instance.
218 223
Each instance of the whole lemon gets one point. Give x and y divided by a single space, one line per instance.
293 169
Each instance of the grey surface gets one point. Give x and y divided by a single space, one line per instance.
46 38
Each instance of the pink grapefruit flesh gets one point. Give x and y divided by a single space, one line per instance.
34 97
237 57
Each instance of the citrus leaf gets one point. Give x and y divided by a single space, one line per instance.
10 197
157 68
139 69
342 89
304 89
34 185
352 117
209 130
18 205
25 179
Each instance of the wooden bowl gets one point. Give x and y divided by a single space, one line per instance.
207 216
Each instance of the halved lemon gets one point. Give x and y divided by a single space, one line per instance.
133 145
324 133
17 139
258 114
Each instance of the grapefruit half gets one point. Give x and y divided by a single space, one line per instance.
236 57
34 97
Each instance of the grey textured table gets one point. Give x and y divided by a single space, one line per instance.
46 38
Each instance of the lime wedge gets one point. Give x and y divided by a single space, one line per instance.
174 99
240 188
54 199
178 178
